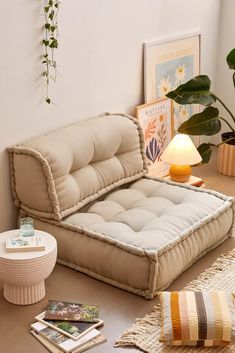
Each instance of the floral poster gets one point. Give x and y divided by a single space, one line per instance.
169 64
156 121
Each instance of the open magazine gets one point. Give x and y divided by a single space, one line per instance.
62 333
63 342
55 349
72 329
61 310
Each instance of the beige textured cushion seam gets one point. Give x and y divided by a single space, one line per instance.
106 279
150 272
153 273
184 235
48 176
129 248
194 260
153 254
12 177
194 188
36 213
229 202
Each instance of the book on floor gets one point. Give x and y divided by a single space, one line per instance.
65 335
18 244
62 310
63 342
54 349
72 329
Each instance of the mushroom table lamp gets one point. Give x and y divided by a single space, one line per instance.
181 154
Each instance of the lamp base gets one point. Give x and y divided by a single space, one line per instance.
180 173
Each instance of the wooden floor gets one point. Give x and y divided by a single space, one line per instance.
117 308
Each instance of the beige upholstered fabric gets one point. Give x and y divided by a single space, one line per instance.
85 185
74 165
151 214
141 237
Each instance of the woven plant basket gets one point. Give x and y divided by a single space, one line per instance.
226 160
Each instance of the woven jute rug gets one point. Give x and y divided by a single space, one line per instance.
145 332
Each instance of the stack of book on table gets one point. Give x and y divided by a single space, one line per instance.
68 327
19 244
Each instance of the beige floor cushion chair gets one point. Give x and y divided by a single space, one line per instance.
86 185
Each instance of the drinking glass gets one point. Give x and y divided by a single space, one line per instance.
26 227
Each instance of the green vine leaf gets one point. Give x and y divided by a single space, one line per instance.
50 43
51 15
45 42
54 44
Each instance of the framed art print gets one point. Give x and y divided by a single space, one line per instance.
167 64
157 124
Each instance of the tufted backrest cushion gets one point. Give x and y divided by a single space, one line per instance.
56 174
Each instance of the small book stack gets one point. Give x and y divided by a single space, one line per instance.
19 244
68 327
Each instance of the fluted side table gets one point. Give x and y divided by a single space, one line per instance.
23 273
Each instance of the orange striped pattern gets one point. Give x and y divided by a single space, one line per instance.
175 318
200 319
226 159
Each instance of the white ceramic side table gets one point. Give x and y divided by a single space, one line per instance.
23 273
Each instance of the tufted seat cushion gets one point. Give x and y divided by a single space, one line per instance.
169 225
86 185
150 214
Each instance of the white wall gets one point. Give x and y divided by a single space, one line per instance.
100 61
226 41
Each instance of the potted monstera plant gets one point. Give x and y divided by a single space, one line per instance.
208 122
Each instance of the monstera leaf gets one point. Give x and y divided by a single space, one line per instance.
196 90
231 59
205 151
231 62
204 123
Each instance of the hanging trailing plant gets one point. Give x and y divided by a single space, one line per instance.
50 43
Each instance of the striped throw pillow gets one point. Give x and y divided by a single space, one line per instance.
201 319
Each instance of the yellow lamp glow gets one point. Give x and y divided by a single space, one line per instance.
181 154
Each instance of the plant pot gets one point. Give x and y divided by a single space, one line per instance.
226 160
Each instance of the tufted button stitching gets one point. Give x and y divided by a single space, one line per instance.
134 222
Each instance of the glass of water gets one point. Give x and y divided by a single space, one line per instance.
26 227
